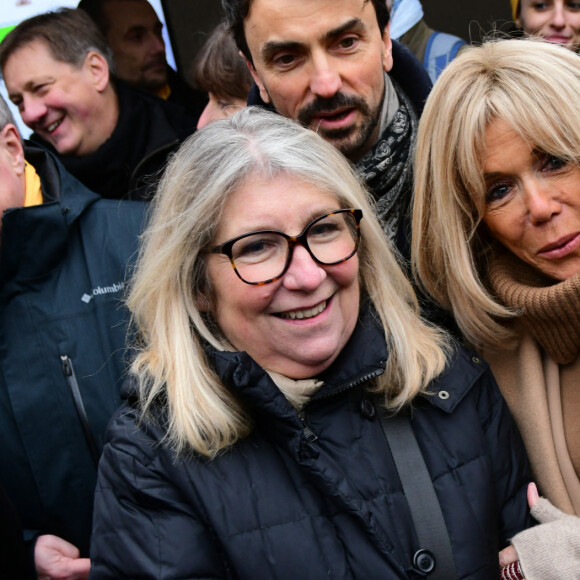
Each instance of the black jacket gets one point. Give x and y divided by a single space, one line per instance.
186 96
62 271
128 164
312 495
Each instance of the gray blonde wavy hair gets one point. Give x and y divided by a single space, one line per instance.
531 85
171 281
6 116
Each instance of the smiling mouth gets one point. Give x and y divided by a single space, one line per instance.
561 247
558 39
303 314
53 126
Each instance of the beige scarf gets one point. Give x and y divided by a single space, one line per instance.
298 392
540 378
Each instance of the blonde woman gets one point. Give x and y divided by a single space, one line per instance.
496 240
274 329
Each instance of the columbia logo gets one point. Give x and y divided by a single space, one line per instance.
99 290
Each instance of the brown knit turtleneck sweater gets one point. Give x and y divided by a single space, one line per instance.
540 379
550 310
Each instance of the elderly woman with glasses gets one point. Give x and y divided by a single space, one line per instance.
279 355
496 240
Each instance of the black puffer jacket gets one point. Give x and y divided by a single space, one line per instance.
280 504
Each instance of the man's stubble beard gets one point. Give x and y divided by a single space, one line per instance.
353 142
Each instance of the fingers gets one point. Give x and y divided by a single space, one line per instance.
78 569
57 559
533 495
58 545
545 512
507 556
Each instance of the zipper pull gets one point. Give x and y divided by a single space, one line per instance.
66 366
306 430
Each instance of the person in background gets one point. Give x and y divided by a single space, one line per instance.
433 48
496 240
64 253
57 68
274 330
331 65
220 70
556 21
134 33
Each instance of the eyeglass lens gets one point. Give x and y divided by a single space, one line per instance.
262 256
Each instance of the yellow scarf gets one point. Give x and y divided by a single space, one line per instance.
164 92
33 188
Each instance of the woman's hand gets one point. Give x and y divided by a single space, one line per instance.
509 555
57 559
549 550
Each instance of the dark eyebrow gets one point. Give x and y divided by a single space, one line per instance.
272 47
137 28
354 24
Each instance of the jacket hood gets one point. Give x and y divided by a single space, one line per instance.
35 238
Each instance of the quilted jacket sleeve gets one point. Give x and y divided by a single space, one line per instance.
140 518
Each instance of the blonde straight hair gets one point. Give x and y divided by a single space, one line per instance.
531 85
170 289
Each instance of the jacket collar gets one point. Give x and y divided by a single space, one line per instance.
34 239
464 368
363 357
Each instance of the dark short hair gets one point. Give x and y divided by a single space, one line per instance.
68 33
96 10
218 67
237 10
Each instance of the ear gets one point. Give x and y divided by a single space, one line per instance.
96 66
10 142
387 49
263 92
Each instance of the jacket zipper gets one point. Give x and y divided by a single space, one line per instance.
306 430
350 385
71 379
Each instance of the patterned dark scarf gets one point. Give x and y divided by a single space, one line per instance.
387 171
